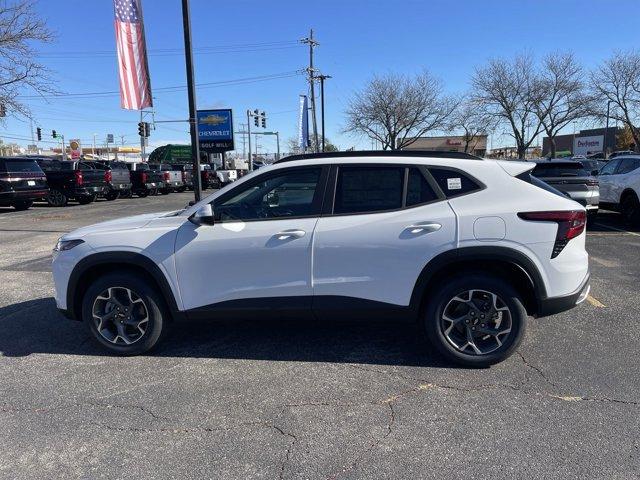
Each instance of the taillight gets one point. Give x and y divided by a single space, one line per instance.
166 176
144 177
108 176
78 177
571 223
206 175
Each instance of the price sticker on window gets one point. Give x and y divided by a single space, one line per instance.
454 183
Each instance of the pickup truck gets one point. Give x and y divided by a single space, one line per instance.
72 180
22 182
116 174
186 170
144 181
172 178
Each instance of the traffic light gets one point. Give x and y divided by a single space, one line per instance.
39 133
54 134
147 129
264 120
141 129
256 118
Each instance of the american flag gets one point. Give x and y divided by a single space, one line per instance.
135 85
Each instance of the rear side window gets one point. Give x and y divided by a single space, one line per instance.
573 169
453 183
418 189
368 189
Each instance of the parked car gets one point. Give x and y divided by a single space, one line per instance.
620 153
117 177
186 171
620 187
22 182
208 177
72 180
572 178
144 181
468 247
172 178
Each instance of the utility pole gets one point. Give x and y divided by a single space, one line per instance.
93 148
249 139
244 139
311 77
322 78
191 88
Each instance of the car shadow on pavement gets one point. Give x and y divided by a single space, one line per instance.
608 221
35 326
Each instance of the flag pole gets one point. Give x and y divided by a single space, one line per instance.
191 89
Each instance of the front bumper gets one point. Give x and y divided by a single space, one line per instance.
552 305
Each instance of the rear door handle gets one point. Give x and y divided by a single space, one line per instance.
285 234
424 227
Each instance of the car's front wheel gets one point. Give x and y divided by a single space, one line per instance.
124 314
475 320
630 207
22 205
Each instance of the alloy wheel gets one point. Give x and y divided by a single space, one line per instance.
476 322
120 316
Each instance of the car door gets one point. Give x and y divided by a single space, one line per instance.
606 178
621 177
385 223
258 252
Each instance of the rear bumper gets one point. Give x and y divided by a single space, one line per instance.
119 186
87 191
552 305
7 198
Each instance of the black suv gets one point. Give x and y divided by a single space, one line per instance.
22 182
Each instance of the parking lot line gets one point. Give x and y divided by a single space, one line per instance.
618 229
595 302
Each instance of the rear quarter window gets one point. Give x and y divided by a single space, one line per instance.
454 183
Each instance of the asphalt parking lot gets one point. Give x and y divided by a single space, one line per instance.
289 400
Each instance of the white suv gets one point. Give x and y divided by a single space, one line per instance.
620 187
468 247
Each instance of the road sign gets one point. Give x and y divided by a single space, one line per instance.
109 137
215 130
76 151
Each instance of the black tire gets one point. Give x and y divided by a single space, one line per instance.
592 215
165 191
22 205
87 199
56 198
142 193
153 192
126 194
112 195
181 189
154 307
440 298
630 207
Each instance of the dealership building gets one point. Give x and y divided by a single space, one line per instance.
584 142
478 146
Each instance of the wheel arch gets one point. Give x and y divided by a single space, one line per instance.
626 192
97 264
504 262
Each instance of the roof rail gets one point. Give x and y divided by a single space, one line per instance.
380 153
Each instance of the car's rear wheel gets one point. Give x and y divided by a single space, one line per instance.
630 207
142 193
165 191
56 198
112 195
475 320
22 205
87 199
124 314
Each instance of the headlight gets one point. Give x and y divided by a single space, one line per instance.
63 245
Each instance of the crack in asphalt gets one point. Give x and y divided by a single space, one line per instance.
538 370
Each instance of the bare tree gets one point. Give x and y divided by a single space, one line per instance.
504 90
471 122
560 96
617 81
20 29
396 109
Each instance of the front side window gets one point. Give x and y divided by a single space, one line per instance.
368 189
289 194
609 168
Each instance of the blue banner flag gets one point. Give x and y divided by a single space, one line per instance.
303 124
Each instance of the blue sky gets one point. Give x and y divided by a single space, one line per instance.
357 40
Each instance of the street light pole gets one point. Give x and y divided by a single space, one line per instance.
606 130
191 89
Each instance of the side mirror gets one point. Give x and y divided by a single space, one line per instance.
595 173
203 216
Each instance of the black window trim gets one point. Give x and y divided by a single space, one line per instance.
316 205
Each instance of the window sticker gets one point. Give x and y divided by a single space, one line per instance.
454 183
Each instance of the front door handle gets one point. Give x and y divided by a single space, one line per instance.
424 227
286 234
